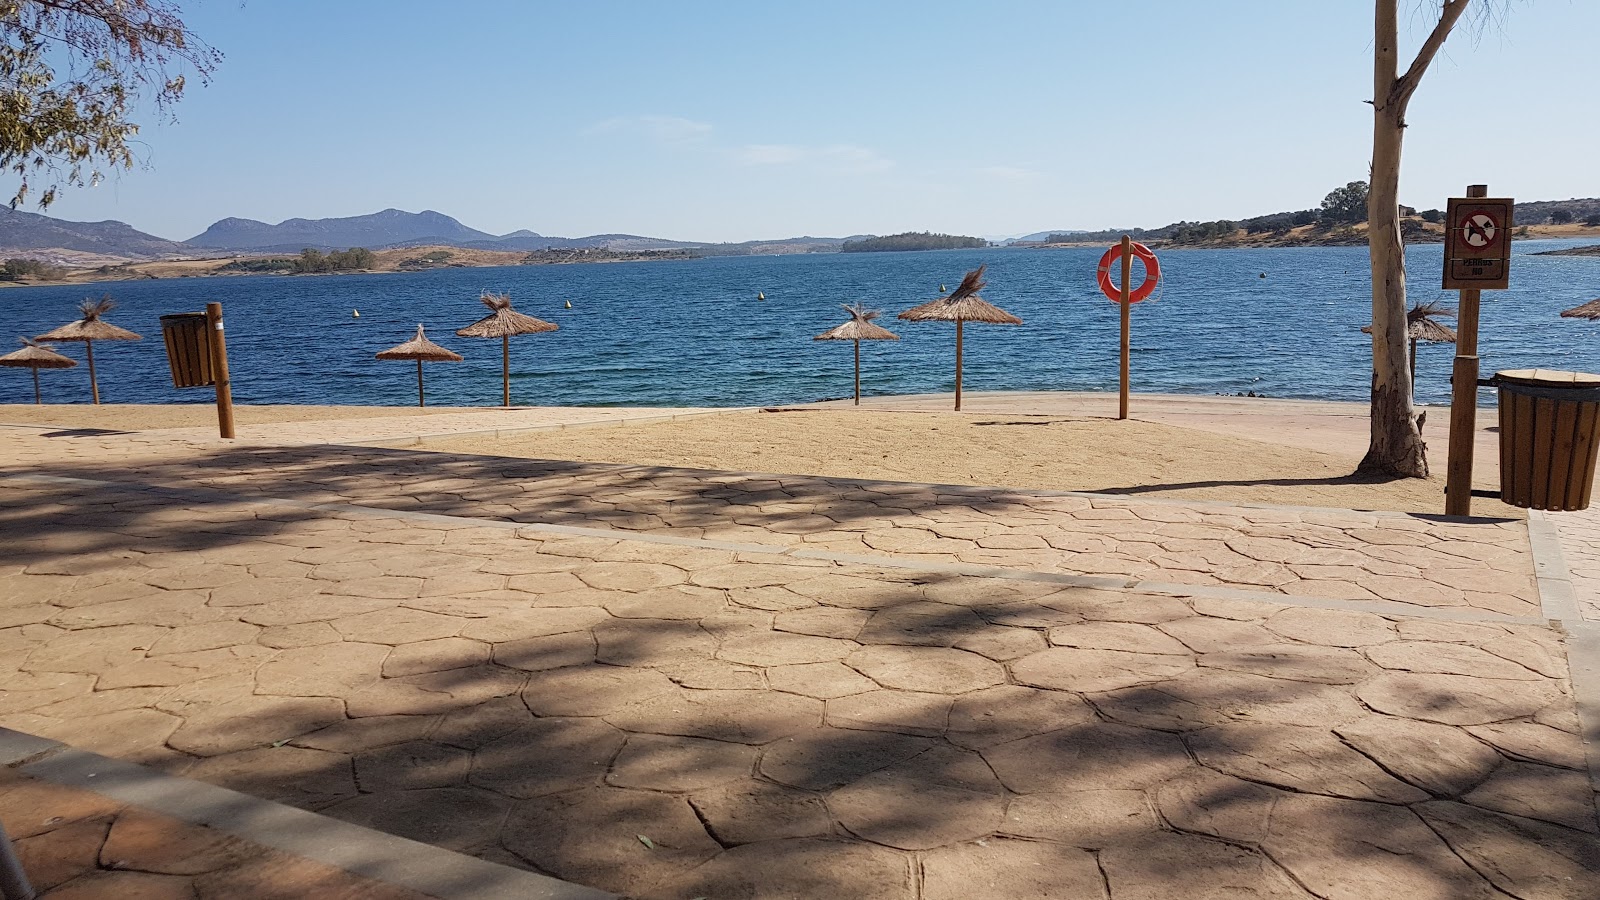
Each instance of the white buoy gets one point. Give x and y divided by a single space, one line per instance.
355 313
761 295
569 304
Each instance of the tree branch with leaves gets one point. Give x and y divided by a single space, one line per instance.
71 74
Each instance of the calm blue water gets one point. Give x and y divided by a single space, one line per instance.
692 332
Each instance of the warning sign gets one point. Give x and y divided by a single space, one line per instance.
1477 243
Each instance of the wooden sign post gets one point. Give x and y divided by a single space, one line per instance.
1477 257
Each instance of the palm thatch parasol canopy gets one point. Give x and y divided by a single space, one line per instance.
858 329
503 322
963 305
1420 324
89 329
32 356
1590 310
421 349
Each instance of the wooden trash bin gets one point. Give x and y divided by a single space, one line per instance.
1549 436
188 353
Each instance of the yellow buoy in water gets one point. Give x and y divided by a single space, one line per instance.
569 304
355 313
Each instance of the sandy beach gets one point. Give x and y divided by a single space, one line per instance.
1286 452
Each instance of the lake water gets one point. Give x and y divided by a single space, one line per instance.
693 333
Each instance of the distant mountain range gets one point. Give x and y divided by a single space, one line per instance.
38 235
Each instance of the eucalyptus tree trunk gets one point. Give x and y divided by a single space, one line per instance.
1396 448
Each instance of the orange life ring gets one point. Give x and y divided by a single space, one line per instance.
1152 273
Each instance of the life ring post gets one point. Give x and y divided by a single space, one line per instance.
1127 307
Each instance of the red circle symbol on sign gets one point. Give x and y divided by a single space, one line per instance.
1152 273
1478 230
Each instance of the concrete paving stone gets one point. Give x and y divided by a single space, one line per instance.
317 608
1295 662
823 680
540 653
683 602
1456 699
772 598
546 583
1559 796
1520 856
131 885
1092 820
1440 759
736 621
679 764
1009 868
1310 760
1548 658
210 636
748 810
474 726
166 608
1009 712
648 642
434 656
315 672
397 626
137 735
434 692
1204 801
592 837
904 712
531 623
35 807
966 590
1089 671
1118 606
100 702
779 648
746 717
455 584
891 807
1207 633
747 575
712 674
524 563
297 776
1162 865
380 587
60 855
594 690
920 623
1448 659
1332 627
1091 757
411 766
481 605
823 621
630 576
1124 636
357 735
926 669
199 576
304 634
1533 742
458 818
93 650
824 758
1412 629
797 868
1350 849
146 842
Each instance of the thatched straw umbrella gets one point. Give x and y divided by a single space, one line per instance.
503 322
35 357
89 329
858 329
1590 310
1420 326
963 305
420 348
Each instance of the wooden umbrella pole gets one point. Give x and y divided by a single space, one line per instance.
419 384
94 386
1127 276
217 347
505 369
858 372
958 365
36 399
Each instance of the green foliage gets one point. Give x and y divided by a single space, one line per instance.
256 266
311 261
1304 217
913 240
72 71
1435 216
1056 238
1561 216
1592 221
437 256
19 268
1195 232
1346 205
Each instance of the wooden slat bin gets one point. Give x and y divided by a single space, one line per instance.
1549 436
188 352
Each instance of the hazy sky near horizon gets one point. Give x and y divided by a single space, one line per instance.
734 120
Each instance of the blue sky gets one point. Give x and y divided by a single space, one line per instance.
734 121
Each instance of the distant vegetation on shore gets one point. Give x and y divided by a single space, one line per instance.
914 240
309 262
